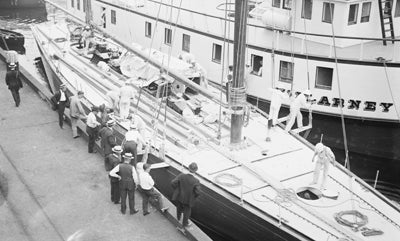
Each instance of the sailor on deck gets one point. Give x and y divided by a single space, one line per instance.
300 101
277 96
127 94
324 155
112 98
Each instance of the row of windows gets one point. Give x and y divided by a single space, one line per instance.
328 11
78 4
323 75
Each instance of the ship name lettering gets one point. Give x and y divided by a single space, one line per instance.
354 104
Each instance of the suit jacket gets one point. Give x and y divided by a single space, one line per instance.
108 140
12 80
186 189
56 98
76 109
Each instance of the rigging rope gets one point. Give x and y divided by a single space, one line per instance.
390 88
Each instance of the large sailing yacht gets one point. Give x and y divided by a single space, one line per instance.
345 52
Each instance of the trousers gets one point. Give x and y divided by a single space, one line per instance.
125 192
115 192
186 210
151 194
15 95
61 109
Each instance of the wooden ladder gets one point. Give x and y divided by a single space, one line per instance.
385 12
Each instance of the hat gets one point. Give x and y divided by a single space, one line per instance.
87 27
63 85
12 65
319 147
128 155
95 108
307 92
110 122
117 149
193 167
179 95
80 92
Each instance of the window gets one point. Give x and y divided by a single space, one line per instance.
147 29
328 12
256 65
365 12
306 9
397 9
78 4
276 3
168 36
323 79
353 13
72 3
186 43
84 5
287 4
113 17
286 72
217 53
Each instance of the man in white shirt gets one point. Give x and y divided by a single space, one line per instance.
300 101
127 94
277 96
127 183
92 128
112 98
147 186
324 156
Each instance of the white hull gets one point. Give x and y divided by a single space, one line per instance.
366 91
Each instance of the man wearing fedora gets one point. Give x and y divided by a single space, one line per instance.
127 183
108 139
114 160
186 191
76 112
14 83
60 101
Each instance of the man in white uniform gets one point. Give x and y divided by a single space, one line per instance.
127 94
324 156
300 101
277 96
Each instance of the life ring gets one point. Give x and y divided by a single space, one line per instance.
360 220
178 87
228 180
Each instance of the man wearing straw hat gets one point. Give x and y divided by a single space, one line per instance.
113 160
186 191
127 183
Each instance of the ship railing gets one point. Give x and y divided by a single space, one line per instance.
198 18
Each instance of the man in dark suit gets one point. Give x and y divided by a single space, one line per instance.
127 183
60 100
186 190
14 83
108 139
114 160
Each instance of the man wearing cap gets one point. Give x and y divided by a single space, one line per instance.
127 183
113 160
14 83
147 186
302 100
186 191
324 156
92 128
108 139
60 100
76 112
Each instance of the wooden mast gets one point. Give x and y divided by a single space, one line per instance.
238 92
88 11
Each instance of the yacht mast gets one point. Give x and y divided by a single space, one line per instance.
88 11
238 91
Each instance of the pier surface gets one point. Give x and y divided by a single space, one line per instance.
52 188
